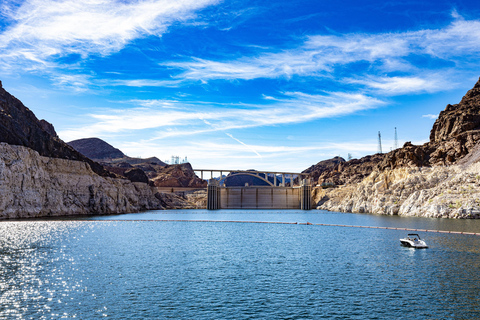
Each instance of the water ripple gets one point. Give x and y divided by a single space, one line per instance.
172 270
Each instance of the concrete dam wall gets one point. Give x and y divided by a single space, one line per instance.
260 198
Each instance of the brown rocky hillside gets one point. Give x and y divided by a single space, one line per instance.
454 135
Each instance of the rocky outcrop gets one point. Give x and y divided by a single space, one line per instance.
136 175
35 186
178 175
413 180
459 118
337 171
184 200
437 192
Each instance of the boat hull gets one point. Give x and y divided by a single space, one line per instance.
413 244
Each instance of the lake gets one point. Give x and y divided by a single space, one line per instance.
160 265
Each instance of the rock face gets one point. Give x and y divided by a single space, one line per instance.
35 186
178 175
436 192
136 175
337 171
187 200
459 118
437 179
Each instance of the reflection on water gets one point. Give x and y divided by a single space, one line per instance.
204 270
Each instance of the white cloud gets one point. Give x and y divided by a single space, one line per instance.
226 155
176 118
43 29
430 116
322 55
400 85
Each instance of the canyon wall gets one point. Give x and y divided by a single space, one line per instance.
35 186
440 178
436 192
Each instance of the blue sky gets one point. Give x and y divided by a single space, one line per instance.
269 85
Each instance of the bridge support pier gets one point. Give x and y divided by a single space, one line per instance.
306 195
213 195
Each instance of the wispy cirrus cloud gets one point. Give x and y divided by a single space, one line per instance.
42 30
179 118
400 85
457 45
430 116
241 156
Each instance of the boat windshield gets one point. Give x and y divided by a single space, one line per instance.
414 236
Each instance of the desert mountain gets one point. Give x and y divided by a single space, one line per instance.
437 179
454 135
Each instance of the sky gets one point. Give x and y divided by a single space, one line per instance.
267 85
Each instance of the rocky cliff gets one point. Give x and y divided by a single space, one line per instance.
32 185
437 192
40 175
437 179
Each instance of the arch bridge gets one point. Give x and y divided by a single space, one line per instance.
262 175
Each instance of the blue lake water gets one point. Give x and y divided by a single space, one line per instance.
140 266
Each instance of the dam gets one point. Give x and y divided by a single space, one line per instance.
274 195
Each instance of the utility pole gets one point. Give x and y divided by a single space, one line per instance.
379 143
395 145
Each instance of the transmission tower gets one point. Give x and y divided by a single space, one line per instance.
395 144
379 143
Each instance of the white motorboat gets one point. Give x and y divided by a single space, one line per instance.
413 241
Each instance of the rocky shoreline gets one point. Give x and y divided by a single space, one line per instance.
33 186
36 186
439 179
433 192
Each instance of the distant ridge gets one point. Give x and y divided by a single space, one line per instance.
101 151
96 148
159 173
